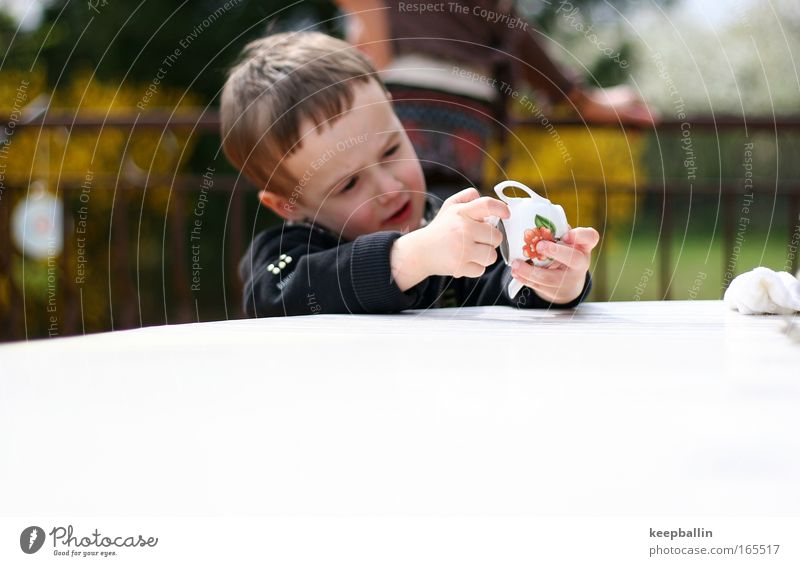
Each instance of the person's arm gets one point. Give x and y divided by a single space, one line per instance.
301 272
619 104
367 27
534 65
378 272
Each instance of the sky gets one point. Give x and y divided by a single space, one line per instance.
27 12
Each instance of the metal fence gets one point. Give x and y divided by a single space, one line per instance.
175 285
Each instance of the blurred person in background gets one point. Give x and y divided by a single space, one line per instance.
451 69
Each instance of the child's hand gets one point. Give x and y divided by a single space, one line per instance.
457 242
561 281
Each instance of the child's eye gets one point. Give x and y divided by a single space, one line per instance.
350 184
391 150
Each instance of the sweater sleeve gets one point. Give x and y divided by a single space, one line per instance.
298 272
492 289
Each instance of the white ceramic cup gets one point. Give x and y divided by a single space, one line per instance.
529 211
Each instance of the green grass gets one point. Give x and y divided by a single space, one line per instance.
697 265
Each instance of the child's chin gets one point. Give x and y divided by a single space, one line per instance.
411 224
408 227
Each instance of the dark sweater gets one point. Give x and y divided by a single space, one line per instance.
297 269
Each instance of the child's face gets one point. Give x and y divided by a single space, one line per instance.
358 176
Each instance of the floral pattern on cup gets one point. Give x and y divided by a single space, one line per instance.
544 231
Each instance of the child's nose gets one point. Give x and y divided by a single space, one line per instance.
387 187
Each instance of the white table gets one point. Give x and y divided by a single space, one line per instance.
613 409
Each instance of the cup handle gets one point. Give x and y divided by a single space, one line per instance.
500 187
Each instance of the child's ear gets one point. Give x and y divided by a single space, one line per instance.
280 205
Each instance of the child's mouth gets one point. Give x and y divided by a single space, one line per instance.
401 214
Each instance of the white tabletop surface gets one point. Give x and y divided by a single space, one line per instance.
610 409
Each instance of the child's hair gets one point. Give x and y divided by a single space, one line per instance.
280 81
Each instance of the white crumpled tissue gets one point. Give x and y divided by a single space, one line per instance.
763 291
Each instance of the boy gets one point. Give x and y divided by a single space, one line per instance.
305 118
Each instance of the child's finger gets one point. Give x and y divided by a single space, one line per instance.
471 269
485 233
483 254
587 238
480 208
572 257
533 275
467 195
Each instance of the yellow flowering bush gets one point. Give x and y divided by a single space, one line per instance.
593 173
55 158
